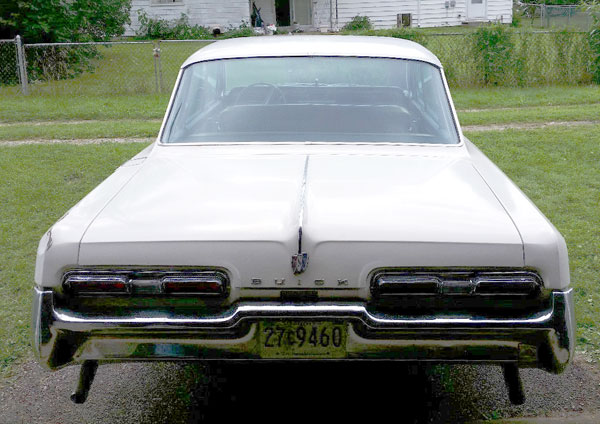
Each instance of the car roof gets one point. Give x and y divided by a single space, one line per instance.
313 45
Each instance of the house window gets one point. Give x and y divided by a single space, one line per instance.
166 1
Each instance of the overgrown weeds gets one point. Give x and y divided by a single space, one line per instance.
499 55
181 29
358 23
494 49
594 39
404 33
162 29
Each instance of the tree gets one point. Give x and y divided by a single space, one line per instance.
63 20
56 21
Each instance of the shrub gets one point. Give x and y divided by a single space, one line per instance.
180 29
594 39
59 62
242 31
517 16
358 23
404 33
162 29
495 51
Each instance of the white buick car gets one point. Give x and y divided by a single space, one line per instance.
307 198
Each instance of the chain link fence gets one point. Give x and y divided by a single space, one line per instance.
556 16
146 67
123 67
532 58
9 74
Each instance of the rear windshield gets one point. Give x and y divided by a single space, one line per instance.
311 99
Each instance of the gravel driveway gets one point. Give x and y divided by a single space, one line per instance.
190 393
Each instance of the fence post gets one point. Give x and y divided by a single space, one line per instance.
155 54
158 78
21 65
160 74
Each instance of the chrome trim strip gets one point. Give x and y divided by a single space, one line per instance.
302 201
65 319
72 321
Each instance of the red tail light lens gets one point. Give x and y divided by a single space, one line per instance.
503 285
408 284
193 285
98 284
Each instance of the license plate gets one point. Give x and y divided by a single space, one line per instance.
302 339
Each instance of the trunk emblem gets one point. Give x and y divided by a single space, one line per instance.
299 262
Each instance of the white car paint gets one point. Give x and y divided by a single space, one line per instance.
238 209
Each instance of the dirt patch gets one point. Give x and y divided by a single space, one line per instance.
526 126
495 109
72 122
78 141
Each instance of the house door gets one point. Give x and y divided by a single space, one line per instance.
476 9
283 12
301 11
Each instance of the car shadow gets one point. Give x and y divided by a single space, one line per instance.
180 392
322 392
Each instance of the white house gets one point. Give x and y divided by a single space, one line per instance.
325 15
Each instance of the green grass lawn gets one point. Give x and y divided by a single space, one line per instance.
558 169
19 108
39 184
589 112
82 130
508 97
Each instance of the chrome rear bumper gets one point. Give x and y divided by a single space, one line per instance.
543 340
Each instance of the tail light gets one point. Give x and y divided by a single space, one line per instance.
193 285
408 284
146 283
455 283
522 285
97 284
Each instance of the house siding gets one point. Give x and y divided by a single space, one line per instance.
499 11
425 13
207 13
227 14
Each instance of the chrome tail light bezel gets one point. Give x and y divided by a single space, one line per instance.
146 282
389 283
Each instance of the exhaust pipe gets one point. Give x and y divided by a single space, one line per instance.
516 394
86 377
